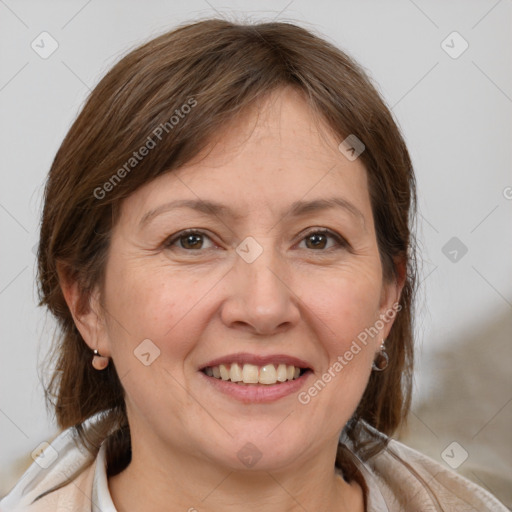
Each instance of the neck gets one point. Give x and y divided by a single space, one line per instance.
180 482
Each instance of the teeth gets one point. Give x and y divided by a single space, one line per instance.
268 374
281 373
235 373
224 374
252 374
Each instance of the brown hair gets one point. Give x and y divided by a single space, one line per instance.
219 68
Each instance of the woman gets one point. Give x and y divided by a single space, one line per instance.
226 243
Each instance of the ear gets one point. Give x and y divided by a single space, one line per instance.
390 296
86 312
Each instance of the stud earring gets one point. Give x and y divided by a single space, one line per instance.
381 361
99 362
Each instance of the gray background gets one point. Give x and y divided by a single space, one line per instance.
455 114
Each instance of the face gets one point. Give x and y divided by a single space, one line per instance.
282 271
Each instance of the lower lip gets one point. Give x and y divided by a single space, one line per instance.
257 393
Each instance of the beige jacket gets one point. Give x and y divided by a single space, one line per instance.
399 479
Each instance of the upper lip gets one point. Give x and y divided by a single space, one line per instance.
257 360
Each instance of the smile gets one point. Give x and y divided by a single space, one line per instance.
245 374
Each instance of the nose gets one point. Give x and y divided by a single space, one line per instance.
259 296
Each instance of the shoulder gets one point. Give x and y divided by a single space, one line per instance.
413 481
61 478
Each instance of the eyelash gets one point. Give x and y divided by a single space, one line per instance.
341 242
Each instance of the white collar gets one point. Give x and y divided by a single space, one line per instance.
101 499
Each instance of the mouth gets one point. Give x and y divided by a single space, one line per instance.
246 374
251 378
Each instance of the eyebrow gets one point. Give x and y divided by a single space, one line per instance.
297 209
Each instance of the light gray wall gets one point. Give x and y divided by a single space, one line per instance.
455 114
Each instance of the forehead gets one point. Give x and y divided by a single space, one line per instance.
282 124
272 155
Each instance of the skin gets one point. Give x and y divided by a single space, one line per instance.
195 304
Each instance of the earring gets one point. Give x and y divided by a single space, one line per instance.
381 362
99 362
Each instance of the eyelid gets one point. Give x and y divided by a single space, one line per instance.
172 239
339 239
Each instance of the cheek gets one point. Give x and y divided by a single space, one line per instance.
344 311
347 302
152 299
342 323
146 303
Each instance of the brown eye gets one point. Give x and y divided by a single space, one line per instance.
319 239
188 240
194 241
